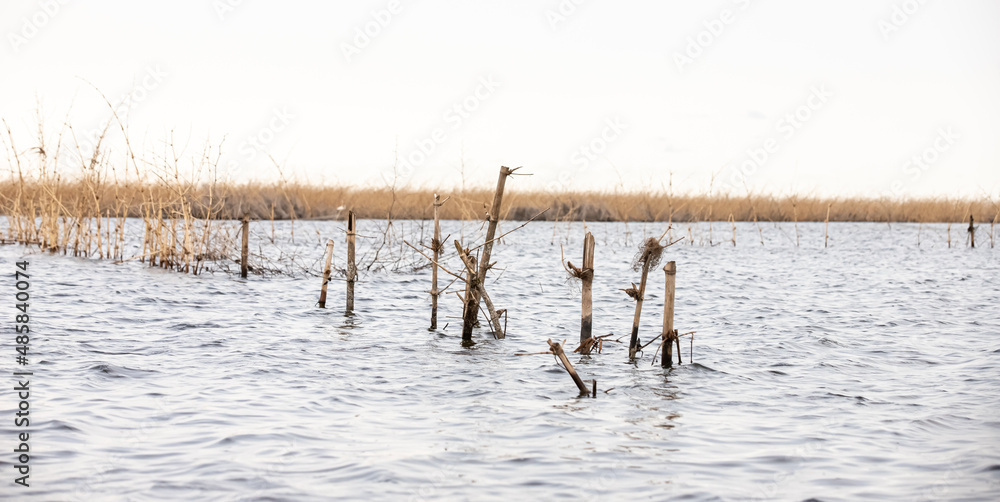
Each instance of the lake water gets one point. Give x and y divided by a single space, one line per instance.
867 370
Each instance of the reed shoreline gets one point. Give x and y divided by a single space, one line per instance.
284 201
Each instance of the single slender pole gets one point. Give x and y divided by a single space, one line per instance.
587 316
436 243
666 358
972 232
494 219
558 351
678 340
992 223
326 273
826 238
484 261
244 267
352 269
633 345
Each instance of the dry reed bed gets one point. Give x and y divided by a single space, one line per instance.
73 199
280 201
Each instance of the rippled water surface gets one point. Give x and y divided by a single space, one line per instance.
868 370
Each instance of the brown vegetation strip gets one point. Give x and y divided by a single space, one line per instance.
299 201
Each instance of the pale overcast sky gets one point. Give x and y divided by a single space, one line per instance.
847 97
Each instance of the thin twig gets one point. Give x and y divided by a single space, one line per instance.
434 262
514 230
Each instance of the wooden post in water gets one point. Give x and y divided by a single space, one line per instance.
972 233
470 312
436 243
491 230
326 273
494 219
678 340
633 345
992 223
558 351
475 288
666 358
245 250
587 316
352 269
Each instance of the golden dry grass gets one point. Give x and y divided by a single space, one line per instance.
79 205
299 201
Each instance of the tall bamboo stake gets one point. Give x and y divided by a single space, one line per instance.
484 261
326 273
245 252
352 269
587 316
436 243
826 237
666 358
633 345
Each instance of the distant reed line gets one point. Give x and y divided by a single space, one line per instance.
283 201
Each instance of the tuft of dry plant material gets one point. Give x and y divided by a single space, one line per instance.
651 252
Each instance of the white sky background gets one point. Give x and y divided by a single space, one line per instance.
925 83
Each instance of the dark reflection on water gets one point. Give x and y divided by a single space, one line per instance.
868 370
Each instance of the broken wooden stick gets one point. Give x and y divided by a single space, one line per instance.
558 351
588 345
469 311
477 290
